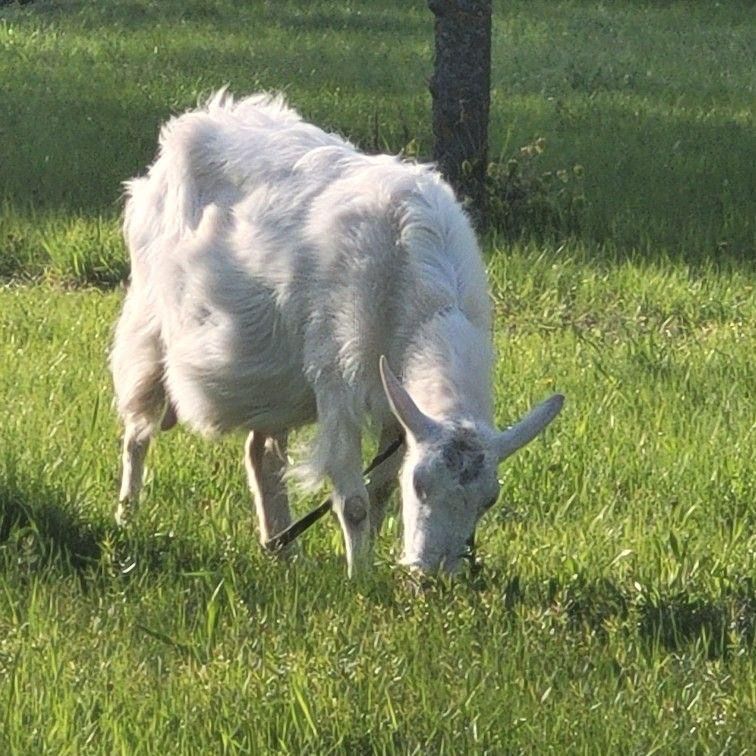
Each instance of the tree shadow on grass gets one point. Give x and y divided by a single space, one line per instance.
666 179
674 621
317 15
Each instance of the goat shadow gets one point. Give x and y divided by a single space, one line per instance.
47 532
49 537
43 530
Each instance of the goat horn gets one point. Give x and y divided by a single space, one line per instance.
524 431
412 418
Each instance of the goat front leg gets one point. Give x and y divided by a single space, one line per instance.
338 448
382 481
265 463
351 504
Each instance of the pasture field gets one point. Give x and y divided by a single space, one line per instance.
615 609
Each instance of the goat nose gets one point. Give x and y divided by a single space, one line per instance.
446 565
412 565
418 566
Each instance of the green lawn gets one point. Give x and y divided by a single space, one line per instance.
616 608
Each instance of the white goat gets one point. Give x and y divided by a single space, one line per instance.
276 273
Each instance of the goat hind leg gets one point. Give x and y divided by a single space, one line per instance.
265 463
137 367
136 441
141 422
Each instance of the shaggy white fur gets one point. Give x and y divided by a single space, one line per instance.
272 264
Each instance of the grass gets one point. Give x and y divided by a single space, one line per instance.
616 607
654 101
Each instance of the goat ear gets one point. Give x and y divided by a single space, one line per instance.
524 431
404 408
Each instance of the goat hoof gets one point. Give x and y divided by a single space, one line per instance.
123 513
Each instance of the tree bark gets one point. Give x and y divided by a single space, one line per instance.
460 87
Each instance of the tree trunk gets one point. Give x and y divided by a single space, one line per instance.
460 87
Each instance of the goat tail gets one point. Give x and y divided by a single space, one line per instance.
164 204
189 174
208 156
